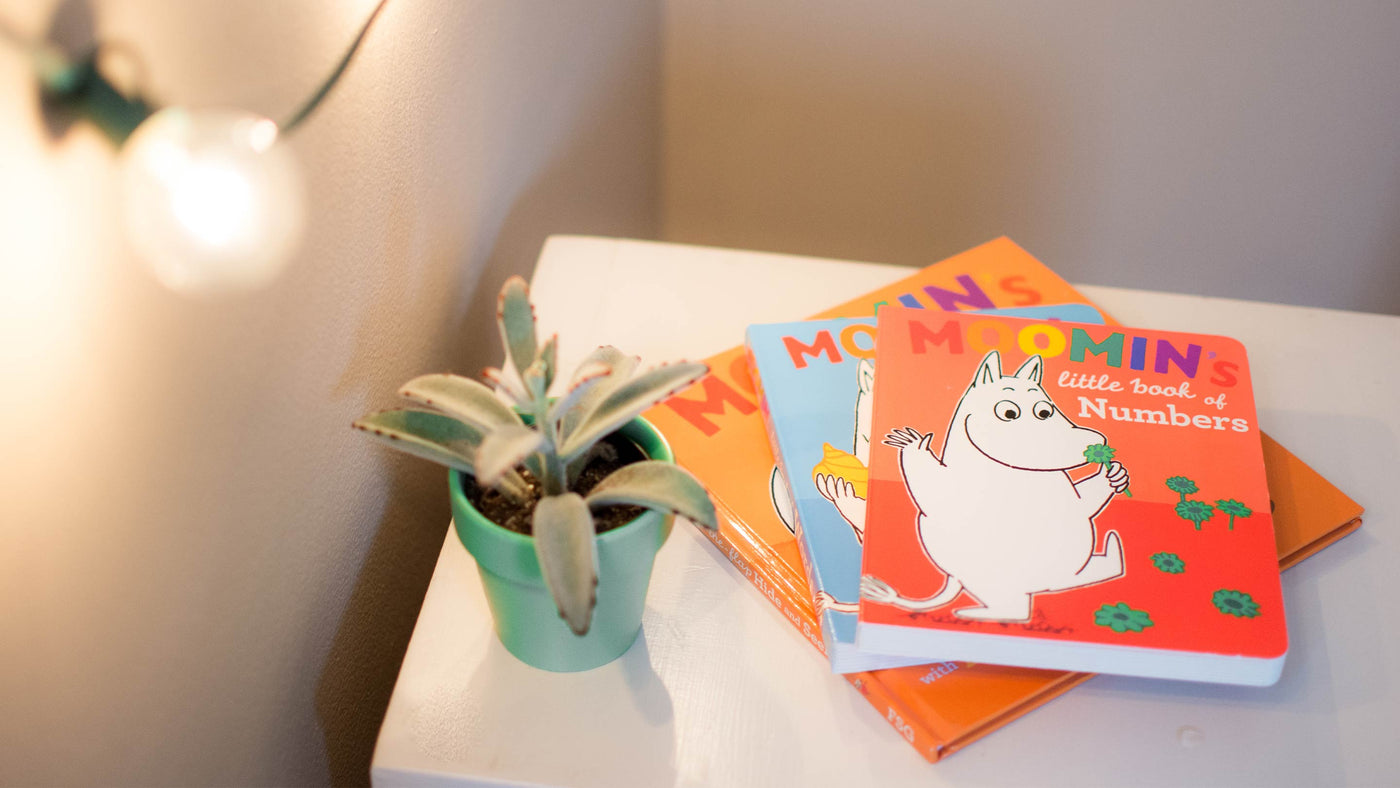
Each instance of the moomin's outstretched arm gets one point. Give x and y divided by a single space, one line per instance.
917 462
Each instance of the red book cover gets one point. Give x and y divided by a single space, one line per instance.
1069 496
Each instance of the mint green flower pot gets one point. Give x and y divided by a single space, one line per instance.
526 618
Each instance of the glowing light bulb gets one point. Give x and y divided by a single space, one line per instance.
210 200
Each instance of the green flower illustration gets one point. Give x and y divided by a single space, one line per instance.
1102 454
1235 603
1170 563
1234 509
1195 511
1122 618
1181 485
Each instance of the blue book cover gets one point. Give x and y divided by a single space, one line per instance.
815 379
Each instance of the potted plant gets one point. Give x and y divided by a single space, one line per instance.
562 501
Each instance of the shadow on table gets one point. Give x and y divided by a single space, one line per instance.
517 722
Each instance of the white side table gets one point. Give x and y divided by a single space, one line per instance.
721 691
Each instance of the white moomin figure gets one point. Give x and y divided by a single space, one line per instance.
841 492
998 513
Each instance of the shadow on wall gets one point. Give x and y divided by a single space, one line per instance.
369 641
372 636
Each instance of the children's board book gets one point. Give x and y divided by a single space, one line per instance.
814 381
717 433
1069 496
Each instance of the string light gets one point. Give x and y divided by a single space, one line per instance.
211 199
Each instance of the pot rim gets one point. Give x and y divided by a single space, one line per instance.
638 430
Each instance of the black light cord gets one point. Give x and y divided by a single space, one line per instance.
316 98
82 85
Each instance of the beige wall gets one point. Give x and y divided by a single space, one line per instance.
205 576
1247 149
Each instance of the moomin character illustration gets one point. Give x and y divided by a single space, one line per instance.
838 489
999 514
843 492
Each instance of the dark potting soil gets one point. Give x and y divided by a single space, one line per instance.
608 455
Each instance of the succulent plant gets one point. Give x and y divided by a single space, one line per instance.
537 445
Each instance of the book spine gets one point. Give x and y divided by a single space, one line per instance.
748 554
906 723
765 410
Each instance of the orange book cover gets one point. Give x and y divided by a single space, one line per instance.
717 433
1003 526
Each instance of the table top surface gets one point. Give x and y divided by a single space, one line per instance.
720 690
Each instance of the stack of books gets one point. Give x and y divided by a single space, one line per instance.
1006 493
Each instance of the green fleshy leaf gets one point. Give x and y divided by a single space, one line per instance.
534 379
516 319
461 398
606 357
549 359
569 404
656 485
508 386
627 401
620 367
504 448
440 439
568 555
432 436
